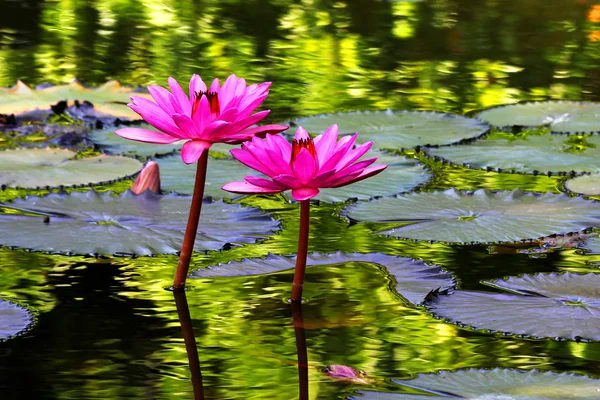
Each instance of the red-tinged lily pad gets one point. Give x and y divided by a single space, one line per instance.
109 99
145 224
399 129
559 116
492 384
14 319
414 279
477 217
562 306
32 168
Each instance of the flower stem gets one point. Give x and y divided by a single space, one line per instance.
302 251
190 342
189 239
302 352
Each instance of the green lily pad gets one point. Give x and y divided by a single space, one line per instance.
31 168
14 319
477 217
588 185
559 116
414 279
592 244
401 175
145 224
110 98
493 384
109 142
565 306
399 129
532 154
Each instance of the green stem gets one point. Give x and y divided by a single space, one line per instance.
187 248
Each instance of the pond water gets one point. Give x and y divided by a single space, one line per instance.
106 328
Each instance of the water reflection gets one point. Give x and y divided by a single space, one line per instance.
298 321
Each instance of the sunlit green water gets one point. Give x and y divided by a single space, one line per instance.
106 328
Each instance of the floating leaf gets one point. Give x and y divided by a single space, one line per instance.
543 305
494 384
145 224
399 129
480 216
588 185
110 98
592 244
560 116
546 153
414 279
401 175
31 168
14 319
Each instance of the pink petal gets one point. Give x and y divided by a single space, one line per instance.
278 164
353 155
265 183
325 143
156 116
161 97
180 97
244 123
228 90
192 150
240 90
214 86
201 115
249 108
289 181
304 193
146 135
247 158
341 148
230 115
247 188
305 166
148 179
186 124
367 173
196 86
215 131
258 131
350 170
301 134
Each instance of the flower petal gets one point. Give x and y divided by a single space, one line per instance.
180 97
265 183
247 158
247 188
257 131
146 135
353 155
304 193
153 114
186 124
301 134
201 115
305 166
192 150
196 86
367 173
325 143
289 181
341 148
162 97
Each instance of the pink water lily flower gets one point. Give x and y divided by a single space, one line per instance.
219 114
305 165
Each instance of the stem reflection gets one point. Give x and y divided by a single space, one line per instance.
298 319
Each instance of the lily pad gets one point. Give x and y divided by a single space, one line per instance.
400 129
542 305
401 175
588 185
478 217
414 279
145 224
559 116
592 244
494 384
14 319
110 98
31 168
543 154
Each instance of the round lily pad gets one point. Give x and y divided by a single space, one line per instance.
110 98
478 217
559 116
493 384
14 319
144 224
31 168
401 175
108 141
588 185
543 305
399 129
543 154
592 244
414 279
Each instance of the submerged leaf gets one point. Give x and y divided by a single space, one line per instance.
494 384
143 224
31 168
414 279
399 129
543 305
110 98
559 116
534 153
480 216
14 319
